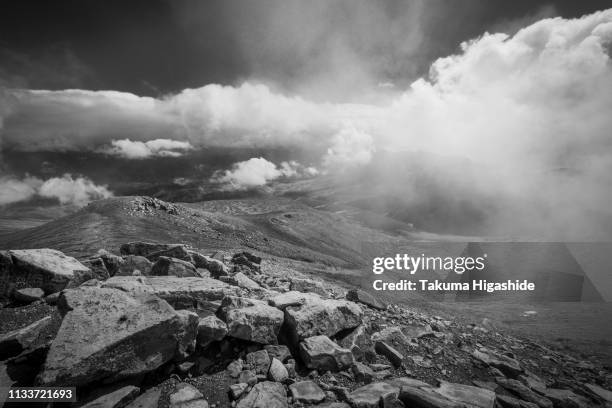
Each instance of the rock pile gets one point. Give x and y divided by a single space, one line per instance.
159 323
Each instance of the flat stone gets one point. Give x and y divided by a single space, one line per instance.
245 282
28 295
565 398
265 394
360 296
210 329
321 353
307 392
524 392
395 357
250 319
165 266
467 394
293 298
370 396
602 393
426 397
505 364
322 317
116 399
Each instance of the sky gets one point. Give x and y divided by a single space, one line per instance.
311 89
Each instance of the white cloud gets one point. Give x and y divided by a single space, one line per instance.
66 189
257 172
142 150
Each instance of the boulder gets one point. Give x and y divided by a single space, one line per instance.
371 395
143 248
175 251
357 341
278 351
266 394
111 261
210 328
132 264
187 335
394 356
98 269
236 390
467 394
47 269
358 295
322 354
306 392
245 282
277 372
116 399
216 267
28 295
523 392
505 364
106 334
201 294
250 319
600 392
308 286
248 377
292 298
16 341
258 361
362 373
249 257
187 396
165 266
322 317
565 398
149 399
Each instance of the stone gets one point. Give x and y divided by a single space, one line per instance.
235 368
266 394
258 361
426 397
201 294
236 390
245 282
128 265
250 319
322 317
165 266
28 295
371 395
16 341
360 296
187 335
533 381
320 353
308 286
600 392
216 267
523 392
249 256
149 399
248 376
107 334
505 364
307 392
292 298
357 341
185 367
187 396
143 248
565 398
175 251
116 399
45 268
277 372
278 351
97 269
210 329
362 373
111 261
467 394
395 357
52 298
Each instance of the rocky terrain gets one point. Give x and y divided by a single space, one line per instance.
154 324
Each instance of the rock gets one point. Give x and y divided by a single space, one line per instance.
47 269
467 394
506 365
236 390
357 341
248 376
307 392
266 394
394 356
234 368
201 294
278 351
371 395
292 298
28 295
258 361
524 392
249 256
107 334
165 266
322 354
533 381
250 319
187 335
407 382
565 398
175 251
187 396
52 299
601 393
358 295
143 248
130 264
111 261
97 269
308 286
216 267
16 341
426 397
116 399
245 282
394 337
210 329
278 372
150 399
362 373
322 317
185 367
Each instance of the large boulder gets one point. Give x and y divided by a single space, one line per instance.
266 394
250 319
47 269
202 294
321 353
165 266
322 317
106 334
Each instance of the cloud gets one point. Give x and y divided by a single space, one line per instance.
257 172
142 150
66 189
350 147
